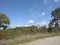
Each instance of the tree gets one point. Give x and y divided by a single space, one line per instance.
4 21
56 16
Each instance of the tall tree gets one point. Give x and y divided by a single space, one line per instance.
4 21
56 16
55 20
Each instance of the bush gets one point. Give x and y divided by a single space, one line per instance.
18 31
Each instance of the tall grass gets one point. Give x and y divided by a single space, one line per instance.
18 31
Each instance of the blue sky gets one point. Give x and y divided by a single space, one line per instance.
28 12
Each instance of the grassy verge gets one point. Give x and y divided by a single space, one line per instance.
16 42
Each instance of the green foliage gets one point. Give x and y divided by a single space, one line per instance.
50 29
4 21
56 17
18 31
43 29
56 29
9 33
56 13
54 23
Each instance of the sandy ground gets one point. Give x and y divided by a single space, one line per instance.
46 41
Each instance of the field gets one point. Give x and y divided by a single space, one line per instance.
20 35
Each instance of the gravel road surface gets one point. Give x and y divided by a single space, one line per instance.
45 41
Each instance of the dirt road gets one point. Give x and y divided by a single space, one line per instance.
46 41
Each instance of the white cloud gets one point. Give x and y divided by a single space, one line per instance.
43 23
26 25
56 0
36 13
47 1
31 21
42 14
17 25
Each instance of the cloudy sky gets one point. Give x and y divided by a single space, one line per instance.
28 12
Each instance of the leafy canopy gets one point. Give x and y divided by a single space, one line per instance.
4 20
56 13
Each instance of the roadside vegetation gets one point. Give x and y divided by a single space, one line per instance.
22 35
14 36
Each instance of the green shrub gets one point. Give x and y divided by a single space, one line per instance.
18 31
